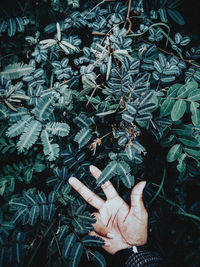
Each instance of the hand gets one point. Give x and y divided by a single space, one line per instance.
120 225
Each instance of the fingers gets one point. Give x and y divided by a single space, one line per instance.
100 228
107 188
86 193
136 196
106 240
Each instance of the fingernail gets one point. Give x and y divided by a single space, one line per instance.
110 235
92 167
145 182
71 179
107 244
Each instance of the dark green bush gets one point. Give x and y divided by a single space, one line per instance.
114 84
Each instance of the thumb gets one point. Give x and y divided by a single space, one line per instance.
136 197
99 227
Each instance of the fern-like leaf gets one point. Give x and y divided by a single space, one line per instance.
123 169
75 255
69 241
16 71
18 127
83 136
50 150
93 241
58 128
30 135
98 259
43 108
107 173
33 214
3 112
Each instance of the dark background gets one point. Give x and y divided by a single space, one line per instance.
174 236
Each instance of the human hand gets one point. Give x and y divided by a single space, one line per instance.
120 225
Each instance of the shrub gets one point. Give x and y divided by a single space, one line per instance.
106 83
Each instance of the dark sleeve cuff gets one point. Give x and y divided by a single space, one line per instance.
139 256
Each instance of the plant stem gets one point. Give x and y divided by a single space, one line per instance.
160 187
40 243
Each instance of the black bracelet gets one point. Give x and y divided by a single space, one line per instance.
120 257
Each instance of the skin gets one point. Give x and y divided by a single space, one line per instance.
120 225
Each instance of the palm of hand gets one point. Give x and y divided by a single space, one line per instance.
128 225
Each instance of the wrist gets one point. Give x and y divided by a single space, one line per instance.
132 249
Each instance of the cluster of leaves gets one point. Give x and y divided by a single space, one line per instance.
94 83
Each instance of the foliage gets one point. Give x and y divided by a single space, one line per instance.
103 83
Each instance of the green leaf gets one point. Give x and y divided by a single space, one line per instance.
102 114
193 151
123 169
174 153
68 45
146 108
178 110
176 16
16 71
128 180
69 241
172 92
75 255
50 150
189 141
181 165
30 135
82 121
18 251
87 217
93 241
11 27
107 173
63 230
195 113
43 208
58 128
3 112
168 141
184 91
109 67
18 215
194 95
166 107
18 127
17 204
51 211
131 108
182 129
10 105
78 226
33 214
98 259
127 117
83 137
43 108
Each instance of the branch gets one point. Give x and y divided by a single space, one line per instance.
128 17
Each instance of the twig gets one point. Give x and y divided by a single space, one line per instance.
56 243
128 17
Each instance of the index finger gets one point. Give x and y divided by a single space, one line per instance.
107 188
86 193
